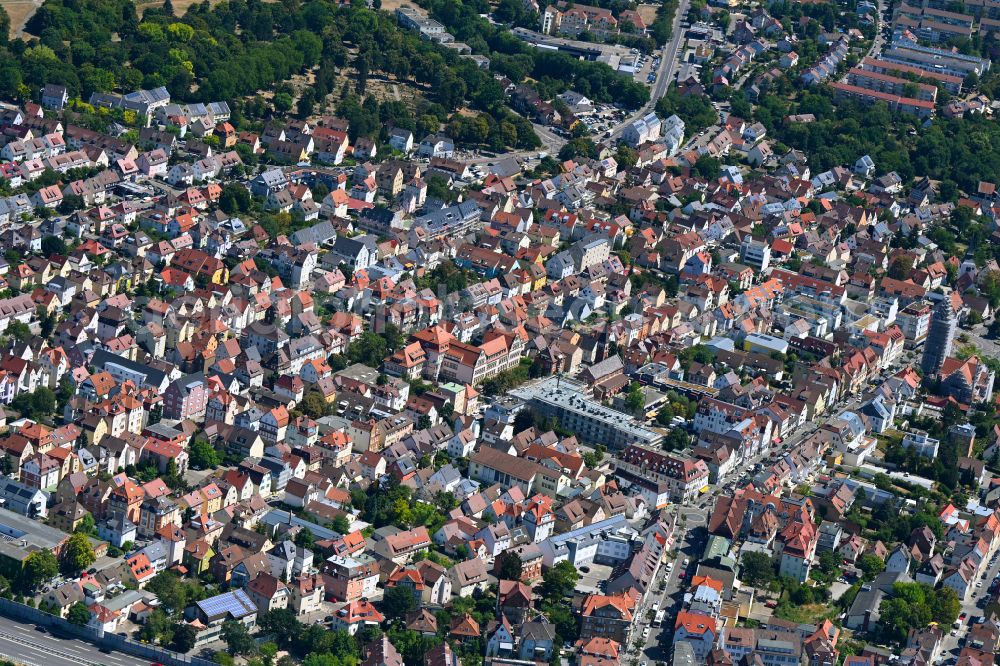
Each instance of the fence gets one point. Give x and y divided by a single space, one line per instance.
113 642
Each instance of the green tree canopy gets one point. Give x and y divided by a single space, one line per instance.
398 602
509 566
756 569
203 455
559 581
77 554
238 638
79 614
39 567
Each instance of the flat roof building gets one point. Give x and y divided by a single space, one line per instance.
20 536
588 419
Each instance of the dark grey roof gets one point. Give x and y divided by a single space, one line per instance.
153 377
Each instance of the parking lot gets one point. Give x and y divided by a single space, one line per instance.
646 71
591 581
604 119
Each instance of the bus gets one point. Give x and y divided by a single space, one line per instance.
658 619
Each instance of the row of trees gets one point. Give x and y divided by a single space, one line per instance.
485 130
42 566
510 379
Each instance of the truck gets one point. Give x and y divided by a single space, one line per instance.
658 618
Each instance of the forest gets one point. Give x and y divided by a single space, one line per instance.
237 49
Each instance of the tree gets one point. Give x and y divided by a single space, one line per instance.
283 102
37 405
592 459
18 330
77 554
47 322
307 101
341 524
369 349
559 581
315 405
635 399
438 188
914 606
87 525
509 567
70 203
39 567
203 455
523 420
423 422
579 147
223 659
625 156
676 440
871 565
282 624
305 538
185 638
4 26
398 602
53 245
238 639
901 267
79 614
757 569
234 198
707 167
174 594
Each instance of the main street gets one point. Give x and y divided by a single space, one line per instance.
656 646
31 646
665 73
690 541
951 644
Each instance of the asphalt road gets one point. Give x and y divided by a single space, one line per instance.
657 646
876 48
551 143
25 644
977 336
664 75
950 645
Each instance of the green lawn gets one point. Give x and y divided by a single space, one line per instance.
805 614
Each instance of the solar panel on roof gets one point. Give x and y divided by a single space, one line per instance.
235 603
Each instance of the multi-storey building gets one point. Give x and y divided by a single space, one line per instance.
589 419
940 338
684 477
